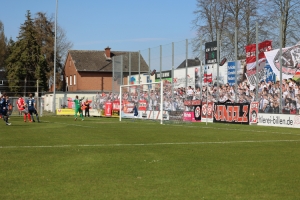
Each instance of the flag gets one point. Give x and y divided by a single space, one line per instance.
207 78
290 60
251 53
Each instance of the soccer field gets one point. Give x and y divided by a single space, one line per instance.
102 158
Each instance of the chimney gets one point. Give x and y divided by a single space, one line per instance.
107 53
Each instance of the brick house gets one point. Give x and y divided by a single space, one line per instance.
86 70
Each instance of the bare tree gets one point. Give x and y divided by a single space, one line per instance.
234 15
287 11
225 16
45 28
63 45
210 18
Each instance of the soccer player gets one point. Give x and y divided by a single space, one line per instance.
10 106
22 108
5 104
77 107
32 108
135 111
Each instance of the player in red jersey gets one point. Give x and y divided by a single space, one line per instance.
22 108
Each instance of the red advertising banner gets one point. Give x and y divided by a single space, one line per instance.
192 103
207 109
207 78
116 105
232 113
143 105
108 109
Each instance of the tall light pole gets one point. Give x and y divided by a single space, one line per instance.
54 70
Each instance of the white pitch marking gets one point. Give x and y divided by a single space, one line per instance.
149 144
231 129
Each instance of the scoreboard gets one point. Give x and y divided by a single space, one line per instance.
211 52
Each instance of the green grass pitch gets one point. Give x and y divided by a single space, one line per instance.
103 158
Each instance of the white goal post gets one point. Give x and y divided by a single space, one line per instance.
147 96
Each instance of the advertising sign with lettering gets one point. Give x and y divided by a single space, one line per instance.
237 113
176 115
180 77
163 74
279 120
231 73
231 67
188 116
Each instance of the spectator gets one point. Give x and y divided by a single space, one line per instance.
87 108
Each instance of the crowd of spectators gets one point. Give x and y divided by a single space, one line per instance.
268 96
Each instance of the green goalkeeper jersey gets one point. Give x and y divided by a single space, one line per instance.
77 103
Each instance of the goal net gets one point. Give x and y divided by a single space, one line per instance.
154 101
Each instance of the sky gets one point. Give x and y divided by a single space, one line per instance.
131 25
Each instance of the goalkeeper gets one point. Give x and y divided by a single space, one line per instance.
77 107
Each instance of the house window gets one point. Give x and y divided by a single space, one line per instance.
67 83
74 79
71 80
1 82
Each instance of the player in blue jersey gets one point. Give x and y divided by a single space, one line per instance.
31 105
4 103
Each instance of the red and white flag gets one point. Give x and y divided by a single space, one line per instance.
207 78
251 53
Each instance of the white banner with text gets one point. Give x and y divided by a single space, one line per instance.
279 120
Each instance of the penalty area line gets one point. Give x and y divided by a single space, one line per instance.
148 144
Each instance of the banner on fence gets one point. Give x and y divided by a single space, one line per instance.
108 109
65 111
231 113
253 112
197 113
207 112
279 120
188 116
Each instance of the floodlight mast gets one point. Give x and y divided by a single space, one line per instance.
54 70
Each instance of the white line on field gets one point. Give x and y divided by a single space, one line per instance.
149 144
241 130
203 127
